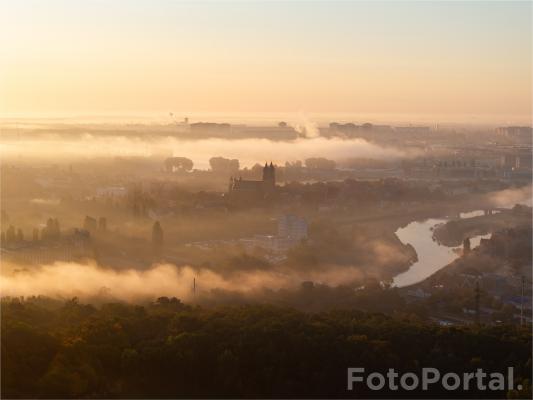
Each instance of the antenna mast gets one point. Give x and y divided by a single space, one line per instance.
477 302
522 301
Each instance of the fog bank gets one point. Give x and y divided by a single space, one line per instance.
248 151
87 281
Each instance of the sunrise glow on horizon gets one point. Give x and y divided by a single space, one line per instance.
417 58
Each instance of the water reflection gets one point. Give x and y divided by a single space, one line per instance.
472 214
432 256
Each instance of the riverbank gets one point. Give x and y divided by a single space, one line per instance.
489 284
454 232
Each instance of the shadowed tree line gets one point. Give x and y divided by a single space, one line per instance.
168 349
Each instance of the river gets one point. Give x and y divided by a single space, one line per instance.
433 256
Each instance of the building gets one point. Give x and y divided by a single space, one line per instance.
248 190
509 161
270 243
517 134
291 231
517 164
74 246
292 227
111 191
280 132
210 129
412 129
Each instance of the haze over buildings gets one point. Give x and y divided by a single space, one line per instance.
246 199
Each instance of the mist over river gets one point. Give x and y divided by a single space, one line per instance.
433 256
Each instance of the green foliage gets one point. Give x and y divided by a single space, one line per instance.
168 349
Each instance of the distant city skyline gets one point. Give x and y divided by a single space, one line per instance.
455 60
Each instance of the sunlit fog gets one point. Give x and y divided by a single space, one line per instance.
265 199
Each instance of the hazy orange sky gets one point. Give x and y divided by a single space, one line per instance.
75 57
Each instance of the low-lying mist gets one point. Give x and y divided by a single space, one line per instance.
248 151
509 197
89 281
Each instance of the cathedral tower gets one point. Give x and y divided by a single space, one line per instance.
269 176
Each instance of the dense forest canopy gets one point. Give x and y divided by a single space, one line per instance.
167 349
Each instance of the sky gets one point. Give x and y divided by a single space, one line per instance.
418 58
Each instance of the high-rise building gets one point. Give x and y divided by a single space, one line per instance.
292 227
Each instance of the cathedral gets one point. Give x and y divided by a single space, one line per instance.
254 190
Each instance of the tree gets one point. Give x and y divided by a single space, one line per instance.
52 349
178 164
295 164
157 236
57 230
51 231
50 226
466 246
89 224
257 169
10 234
102 224
224 165
136 212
